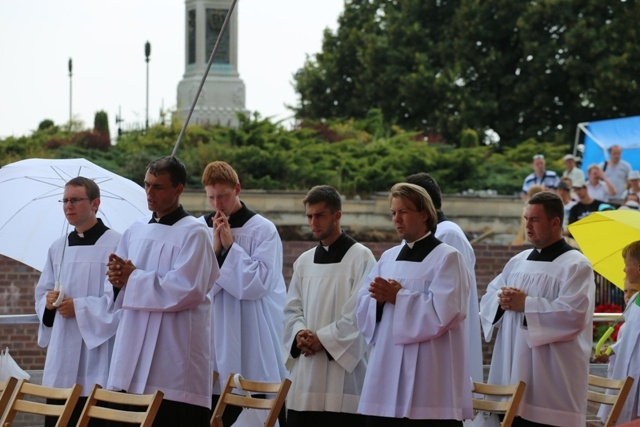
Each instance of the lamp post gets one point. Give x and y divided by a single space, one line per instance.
70 93
147 52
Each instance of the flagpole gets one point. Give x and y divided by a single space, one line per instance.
204 76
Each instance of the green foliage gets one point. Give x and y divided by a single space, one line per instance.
101 123
355 156
521 69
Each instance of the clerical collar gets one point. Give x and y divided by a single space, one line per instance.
336 251
419 249
237 219
441 217
170 218
550 252
410 244
89 237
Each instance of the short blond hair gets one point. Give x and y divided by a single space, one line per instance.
632 251
419 197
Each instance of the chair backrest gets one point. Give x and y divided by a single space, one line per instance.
6 391
147 405
615 400
508 406
271 404
21 401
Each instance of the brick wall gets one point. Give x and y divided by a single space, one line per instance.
17 284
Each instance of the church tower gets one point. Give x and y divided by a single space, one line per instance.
223 93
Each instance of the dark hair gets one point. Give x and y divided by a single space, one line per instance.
551 203
90 186
429 183
171 165
326 194
419 197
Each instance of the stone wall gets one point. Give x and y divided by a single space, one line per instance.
17 284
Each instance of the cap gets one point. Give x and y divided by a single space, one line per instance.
563 186
634 175
579 183
630 204
568 157
606 207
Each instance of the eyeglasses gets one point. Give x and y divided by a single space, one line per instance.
73 200
538 156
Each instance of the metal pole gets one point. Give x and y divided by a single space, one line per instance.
204 76
70 93
147 52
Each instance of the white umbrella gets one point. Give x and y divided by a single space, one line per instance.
31 217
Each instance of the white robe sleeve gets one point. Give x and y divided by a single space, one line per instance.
424 316
366 307
253 276
489 306
563 318
45 284
341 338
294 318
96 322
182 287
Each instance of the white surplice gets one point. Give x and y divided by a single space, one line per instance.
450 233
322 298
626 362
78 348
549 345
162 342
417 367
248 297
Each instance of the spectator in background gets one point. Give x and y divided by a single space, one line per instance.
617 171
540 176
633 186
586 204
599 186
572 171
564 192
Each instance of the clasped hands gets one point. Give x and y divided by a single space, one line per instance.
119 270
222 236
511 299
308 342
66 308
384 290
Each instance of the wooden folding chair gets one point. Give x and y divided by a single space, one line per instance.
508 407
271 404
124 400
615 400
6 391
19 403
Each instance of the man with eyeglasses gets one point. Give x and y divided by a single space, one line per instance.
540 176
74 326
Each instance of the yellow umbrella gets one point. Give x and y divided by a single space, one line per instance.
602 236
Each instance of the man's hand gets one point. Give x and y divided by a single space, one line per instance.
384 290
119 270
66 308
222 236
511 299
308 342
51 297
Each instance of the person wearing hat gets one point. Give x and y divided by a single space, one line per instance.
633 187
572 171
586 204
564 192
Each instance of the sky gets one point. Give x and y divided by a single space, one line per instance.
105 40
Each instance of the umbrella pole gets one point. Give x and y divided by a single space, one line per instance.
204 76
609 331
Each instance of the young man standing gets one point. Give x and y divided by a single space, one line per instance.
165 268
324 349
411 309
542 307
77 330
249 295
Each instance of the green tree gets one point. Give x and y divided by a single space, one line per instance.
101 123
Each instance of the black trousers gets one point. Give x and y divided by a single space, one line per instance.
231 413
406 422
324 419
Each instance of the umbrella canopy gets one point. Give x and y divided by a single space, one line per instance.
31 217
602 236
